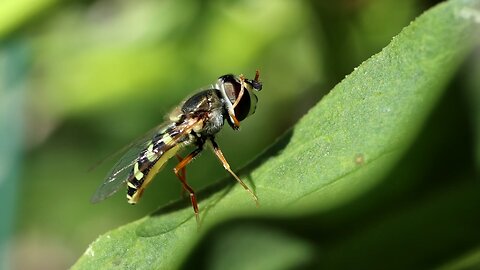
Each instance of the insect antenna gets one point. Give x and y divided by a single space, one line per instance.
257 75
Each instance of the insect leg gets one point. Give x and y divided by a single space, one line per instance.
225 164
183 174
180 166
236 123
231 113
240 94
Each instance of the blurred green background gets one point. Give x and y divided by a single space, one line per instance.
81 79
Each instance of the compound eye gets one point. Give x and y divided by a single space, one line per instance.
242 110
231 90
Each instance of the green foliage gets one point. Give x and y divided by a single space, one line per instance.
341 149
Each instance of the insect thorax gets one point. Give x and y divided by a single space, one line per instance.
208 107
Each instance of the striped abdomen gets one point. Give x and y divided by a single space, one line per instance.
151 160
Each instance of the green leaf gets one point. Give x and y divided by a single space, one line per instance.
340 149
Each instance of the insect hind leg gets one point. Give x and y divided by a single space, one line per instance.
181 176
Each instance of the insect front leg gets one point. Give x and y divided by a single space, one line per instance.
231 113
225 164
178 169
240 94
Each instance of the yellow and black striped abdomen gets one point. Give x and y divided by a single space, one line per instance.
149 163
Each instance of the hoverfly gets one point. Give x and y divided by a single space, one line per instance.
194 122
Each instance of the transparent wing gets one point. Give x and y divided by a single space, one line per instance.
118 175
